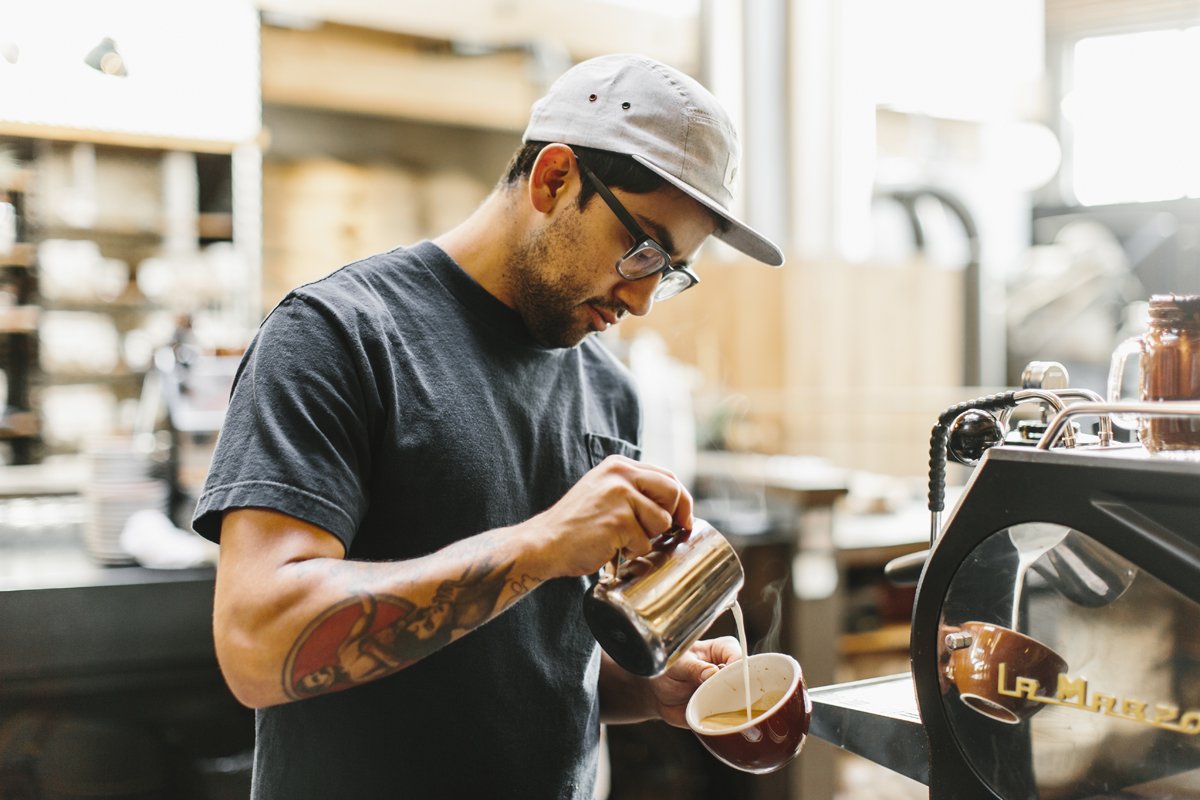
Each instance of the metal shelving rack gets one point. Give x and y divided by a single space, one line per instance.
19 428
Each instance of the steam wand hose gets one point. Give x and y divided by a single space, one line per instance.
937 441
937 451
904 571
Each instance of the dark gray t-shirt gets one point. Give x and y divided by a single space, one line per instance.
401 407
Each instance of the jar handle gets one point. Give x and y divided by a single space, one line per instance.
1116 379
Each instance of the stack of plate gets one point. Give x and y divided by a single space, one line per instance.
121 459
121 485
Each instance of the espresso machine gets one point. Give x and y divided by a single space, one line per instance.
1055 639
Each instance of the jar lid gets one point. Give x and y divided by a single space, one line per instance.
1175 308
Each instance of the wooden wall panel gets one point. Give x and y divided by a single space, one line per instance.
852 362
370 72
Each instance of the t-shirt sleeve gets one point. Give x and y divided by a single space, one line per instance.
296 434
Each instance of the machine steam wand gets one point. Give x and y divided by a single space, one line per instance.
978 440
964 431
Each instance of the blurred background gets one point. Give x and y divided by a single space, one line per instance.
960 186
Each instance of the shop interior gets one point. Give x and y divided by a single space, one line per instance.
960 188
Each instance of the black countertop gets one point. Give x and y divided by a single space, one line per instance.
70 624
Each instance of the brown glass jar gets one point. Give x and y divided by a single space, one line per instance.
1168 369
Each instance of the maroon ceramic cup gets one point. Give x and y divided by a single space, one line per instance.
769 739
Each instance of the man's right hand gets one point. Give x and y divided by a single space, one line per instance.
620 505
281 581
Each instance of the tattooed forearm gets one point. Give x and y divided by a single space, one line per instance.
369 636
523 585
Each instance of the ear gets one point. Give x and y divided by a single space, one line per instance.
553 174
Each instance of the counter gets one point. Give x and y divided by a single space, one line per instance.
71 626
96 660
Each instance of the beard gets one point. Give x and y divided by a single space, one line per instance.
548 291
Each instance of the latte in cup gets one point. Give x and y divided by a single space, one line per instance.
724 720
779 716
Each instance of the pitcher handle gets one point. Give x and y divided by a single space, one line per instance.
1116 379
608 572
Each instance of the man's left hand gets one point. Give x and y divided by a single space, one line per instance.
672 690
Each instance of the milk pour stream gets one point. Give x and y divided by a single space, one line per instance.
1031 540
741 628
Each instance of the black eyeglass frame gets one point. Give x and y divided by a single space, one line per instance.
670 282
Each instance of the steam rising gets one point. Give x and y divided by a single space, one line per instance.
772 593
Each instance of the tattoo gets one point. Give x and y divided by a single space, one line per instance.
369 636
523 585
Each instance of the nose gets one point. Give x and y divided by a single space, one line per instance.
637 296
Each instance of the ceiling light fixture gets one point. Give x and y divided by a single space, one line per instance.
105 58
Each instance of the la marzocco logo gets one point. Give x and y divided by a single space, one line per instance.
1075 694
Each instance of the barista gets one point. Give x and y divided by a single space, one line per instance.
426 454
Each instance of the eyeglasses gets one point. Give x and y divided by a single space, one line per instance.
647 257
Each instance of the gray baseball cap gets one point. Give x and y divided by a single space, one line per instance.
665 120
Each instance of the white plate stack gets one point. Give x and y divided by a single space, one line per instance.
121 484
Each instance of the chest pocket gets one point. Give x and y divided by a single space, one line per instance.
600 447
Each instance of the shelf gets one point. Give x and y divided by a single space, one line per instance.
337 68
582 29
152 196
93 233
21 254
108 137
19 319
63 477
888 639
18 425
118 376
125 304
215 225
20 181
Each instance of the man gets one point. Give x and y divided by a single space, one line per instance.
426 456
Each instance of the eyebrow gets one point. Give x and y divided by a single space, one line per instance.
660 235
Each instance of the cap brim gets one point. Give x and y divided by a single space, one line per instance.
734 233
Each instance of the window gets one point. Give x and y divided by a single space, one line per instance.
1132 117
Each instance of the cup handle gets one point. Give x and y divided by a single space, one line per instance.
1116 380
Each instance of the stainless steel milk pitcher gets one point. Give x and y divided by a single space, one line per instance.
646 611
